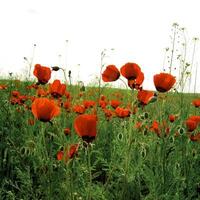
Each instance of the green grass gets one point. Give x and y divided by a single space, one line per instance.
122 163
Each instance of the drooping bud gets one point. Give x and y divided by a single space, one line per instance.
55 68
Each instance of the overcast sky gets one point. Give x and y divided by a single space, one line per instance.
139 31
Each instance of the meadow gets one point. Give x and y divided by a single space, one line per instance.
63 141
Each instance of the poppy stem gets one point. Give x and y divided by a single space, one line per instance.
64 73
90 173
175 25
123 83
46 158
192 62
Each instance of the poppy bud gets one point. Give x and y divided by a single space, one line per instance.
69 73
181 130
55 68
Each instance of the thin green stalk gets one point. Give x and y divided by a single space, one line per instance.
128 157
46 157
175 25
90 172
195 82
191 66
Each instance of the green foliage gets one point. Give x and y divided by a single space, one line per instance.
124 162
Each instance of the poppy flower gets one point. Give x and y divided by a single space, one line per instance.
192 122
42 73
103 98
195 137
67 131
32 86
22 99
111 73
108 113
41 92
138 125
3 87
102 104
191 125
145 96
14 100
164 82
86 126
56 89
130 71
80 109
44 109
155 128
115 103
172 118
136 83
67 105
73 149
60 155
15 93
196 103
67 95
195 118
122 112
89 103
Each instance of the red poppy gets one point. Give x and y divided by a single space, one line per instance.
42 73
14 100
144 96
67 105
111 73
22 99
69 154
89 103
41 92
192 122
80 109
103 98
196 103
172 118
102 104
138 125
108 113
136 83
32 86
115 103
3 87
195 137
155 128
44 109
122 112
56 89
73 150
195 118
191 125
15 93
86 126
164 82
67 95
67 131
59 155
130 71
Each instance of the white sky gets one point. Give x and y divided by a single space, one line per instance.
137 30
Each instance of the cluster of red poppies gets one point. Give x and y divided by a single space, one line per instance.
135 77
48 103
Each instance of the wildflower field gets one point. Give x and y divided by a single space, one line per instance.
63 141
